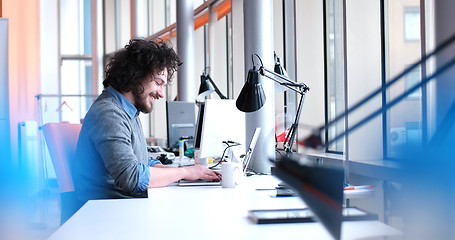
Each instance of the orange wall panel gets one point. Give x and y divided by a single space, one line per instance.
24 63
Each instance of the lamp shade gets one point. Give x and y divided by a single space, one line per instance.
206 88
252 96
278 68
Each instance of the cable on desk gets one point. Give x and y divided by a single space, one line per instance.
224 152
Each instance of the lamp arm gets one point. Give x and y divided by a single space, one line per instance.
289 141
295 86
300 88
216 88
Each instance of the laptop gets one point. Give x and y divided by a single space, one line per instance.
246 161
249 151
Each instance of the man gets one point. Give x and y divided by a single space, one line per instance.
111 156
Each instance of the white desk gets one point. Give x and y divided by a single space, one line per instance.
202 213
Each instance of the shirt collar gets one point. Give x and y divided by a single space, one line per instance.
130 109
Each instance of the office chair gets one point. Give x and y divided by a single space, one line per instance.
61 139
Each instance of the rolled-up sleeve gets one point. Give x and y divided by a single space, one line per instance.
144 178
153 162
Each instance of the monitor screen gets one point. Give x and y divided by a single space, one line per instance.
199 123
218 120
180 121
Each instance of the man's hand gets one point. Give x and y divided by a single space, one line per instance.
161 175
200 172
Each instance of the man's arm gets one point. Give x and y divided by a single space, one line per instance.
161 176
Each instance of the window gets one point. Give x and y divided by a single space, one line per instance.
68 97
411 23
405 119
335 72
411 79
367 60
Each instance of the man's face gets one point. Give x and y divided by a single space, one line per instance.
153 89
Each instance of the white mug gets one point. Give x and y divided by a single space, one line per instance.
231 174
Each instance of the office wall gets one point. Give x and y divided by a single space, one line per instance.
24 63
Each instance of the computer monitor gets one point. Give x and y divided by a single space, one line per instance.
218 120
199 123
180 121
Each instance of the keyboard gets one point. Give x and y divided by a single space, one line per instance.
199 182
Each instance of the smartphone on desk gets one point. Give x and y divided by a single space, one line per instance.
300 215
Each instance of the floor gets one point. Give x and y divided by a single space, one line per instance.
35 218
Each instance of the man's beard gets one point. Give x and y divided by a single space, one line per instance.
141 103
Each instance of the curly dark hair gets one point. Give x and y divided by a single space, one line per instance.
139 59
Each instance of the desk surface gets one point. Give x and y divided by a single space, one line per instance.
209 212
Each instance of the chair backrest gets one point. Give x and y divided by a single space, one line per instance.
61 139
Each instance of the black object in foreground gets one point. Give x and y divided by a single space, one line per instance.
320 187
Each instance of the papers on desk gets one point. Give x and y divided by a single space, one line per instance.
361 187
359 191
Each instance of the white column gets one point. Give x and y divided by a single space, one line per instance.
185 48
258 22
140 18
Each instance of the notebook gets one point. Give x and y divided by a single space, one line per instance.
246 161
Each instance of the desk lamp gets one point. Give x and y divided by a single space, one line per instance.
325 198
252 96
207 87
